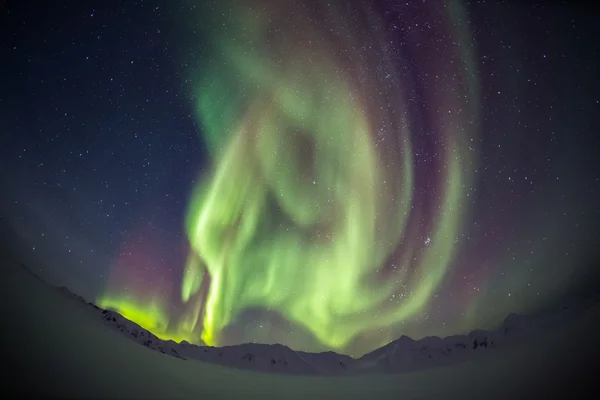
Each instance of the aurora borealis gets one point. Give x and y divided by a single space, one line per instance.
328 175
288 207
286 220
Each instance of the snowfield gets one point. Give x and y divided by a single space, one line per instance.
58 345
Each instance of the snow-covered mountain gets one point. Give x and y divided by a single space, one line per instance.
259 357
406 354
71 348
401 355
139 334
328 362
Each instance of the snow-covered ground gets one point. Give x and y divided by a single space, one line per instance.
56 344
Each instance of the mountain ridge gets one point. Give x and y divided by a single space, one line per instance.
401 355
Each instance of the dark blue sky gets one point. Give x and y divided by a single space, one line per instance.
97 130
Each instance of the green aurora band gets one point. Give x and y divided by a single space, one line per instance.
306 211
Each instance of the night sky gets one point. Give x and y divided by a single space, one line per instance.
325 175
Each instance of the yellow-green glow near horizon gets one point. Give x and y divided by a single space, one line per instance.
149 316
305 206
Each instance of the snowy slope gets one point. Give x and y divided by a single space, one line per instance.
56 346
